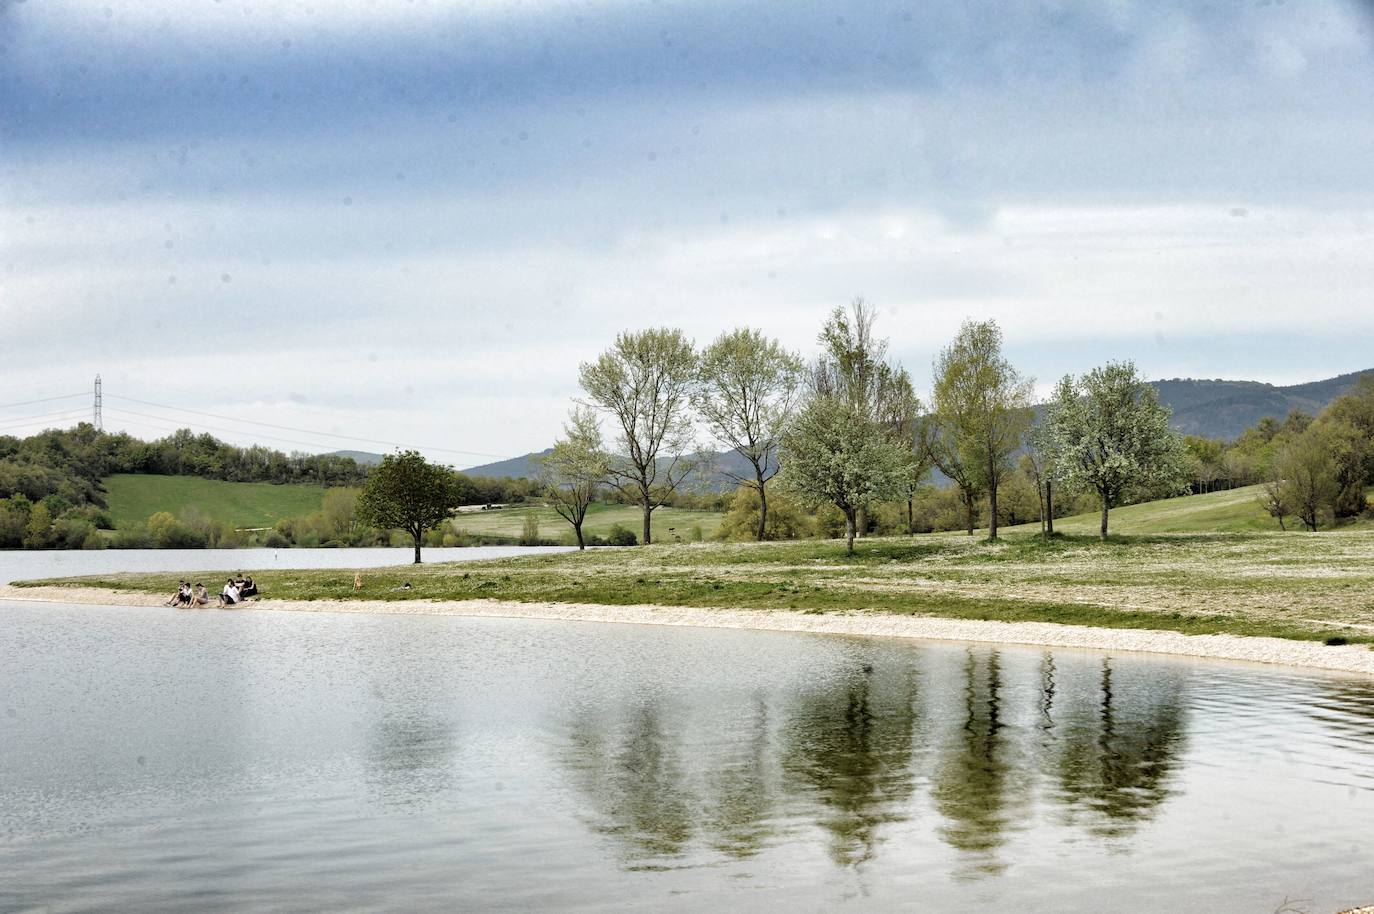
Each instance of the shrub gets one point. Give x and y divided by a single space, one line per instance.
275 540
529 533
1336 641
619 535
134 536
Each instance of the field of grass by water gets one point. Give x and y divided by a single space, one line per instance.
669 524
1293 585
132 498
1233 511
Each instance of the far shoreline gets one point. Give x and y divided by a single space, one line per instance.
1354 659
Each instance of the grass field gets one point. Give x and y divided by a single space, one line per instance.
244 504
667 523
1293 585
1233 511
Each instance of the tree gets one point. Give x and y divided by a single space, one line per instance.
853 369
833 453
1112 436
747 386
1274 498
1038 464
1310 482
409 493
644 382
574 471
981 406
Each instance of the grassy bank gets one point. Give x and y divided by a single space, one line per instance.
668 523
1292 585
1232 511
244 504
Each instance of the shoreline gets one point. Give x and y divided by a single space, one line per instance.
1357 659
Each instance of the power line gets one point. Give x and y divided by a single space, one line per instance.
303 431
38 420
42 400
169 422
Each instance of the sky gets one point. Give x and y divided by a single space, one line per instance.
321 225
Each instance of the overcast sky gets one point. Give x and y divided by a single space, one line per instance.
410 221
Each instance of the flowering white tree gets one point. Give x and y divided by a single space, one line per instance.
1110 434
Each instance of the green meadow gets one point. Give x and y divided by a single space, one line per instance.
133 497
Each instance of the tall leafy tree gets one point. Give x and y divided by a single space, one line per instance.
644 382
409 493
982 408
834 454
575 470
1310 482
852 444
746 390
1111 436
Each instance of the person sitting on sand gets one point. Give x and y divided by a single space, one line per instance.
202 596
247 588
229 595
183 595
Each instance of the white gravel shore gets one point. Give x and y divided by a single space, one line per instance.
1347 659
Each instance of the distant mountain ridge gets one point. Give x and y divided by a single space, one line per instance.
1210 408
1225 409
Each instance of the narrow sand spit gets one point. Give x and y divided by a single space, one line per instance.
1346 659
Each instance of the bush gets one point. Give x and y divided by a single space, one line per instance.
1336 641
621 536
275 540
135 536
529 533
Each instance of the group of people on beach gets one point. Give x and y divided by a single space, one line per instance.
236 590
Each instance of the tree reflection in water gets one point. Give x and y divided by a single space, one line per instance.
741 792
410 758
1117 758
978 780
636 782
850 747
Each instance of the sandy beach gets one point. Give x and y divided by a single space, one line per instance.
1357 659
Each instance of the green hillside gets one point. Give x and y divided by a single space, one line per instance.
600 518
1233 511
244 504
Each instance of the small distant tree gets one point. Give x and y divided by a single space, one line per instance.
573 473
1309 480
835 454
644 381
1111 436
746 389
981 405
1038 465
1274 498
408 493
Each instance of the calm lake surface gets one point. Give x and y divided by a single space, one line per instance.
168 760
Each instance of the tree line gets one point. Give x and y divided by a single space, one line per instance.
51 494
846 430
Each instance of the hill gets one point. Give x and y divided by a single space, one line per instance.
1224 409
1210 408
363 458
131 498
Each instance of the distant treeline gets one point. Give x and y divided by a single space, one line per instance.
51 496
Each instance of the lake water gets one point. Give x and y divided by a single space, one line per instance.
163 760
